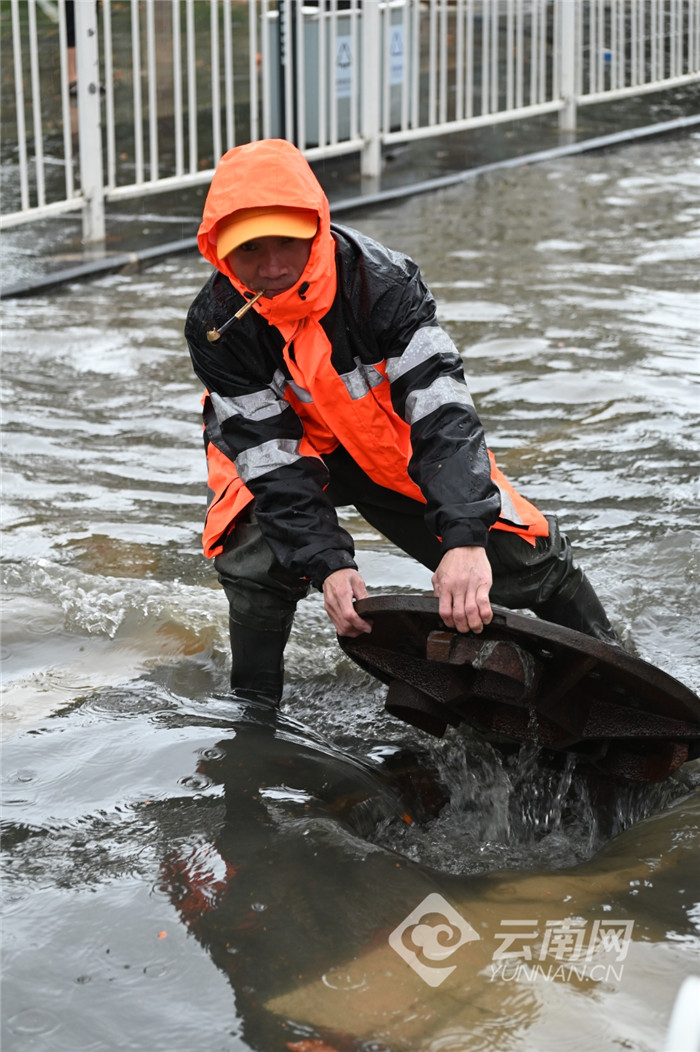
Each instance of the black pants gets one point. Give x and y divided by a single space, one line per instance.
263 595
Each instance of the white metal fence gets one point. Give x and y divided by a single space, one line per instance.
161 88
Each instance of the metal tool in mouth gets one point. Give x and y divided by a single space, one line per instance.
213 335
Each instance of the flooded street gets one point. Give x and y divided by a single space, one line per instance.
183 869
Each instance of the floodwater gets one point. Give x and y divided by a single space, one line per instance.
185 870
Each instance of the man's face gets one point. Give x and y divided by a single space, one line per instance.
274 264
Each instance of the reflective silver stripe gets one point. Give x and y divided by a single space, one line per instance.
258 460
508 509
424 344
280 383
255 406
301 392
443 391
361 379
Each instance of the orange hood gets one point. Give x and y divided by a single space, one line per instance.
273 172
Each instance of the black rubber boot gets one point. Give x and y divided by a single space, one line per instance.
583 611
257 660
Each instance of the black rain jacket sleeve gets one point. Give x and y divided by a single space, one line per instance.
246 370
449 461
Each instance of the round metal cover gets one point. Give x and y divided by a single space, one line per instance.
527 680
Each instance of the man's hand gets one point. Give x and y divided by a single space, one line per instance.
339 590
462 583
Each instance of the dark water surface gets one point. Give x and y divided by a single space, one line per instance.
182 869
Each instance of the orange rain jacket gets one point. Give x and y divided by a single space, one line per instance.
352 355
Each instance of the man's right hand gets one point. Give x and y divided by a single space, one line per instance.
339 590
462 583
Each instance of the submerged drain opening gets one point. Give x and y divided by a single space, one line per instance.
467 807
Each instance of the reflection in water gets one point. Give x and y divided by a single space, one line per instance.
296 909
272 847
184 870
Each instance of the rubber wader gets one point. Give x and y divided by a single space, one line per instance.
583 612
257 660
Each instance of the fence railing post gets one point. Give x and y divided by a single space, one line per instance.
568 23
370 74
89 121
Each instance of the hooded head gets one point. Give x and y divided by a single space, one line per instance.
267 188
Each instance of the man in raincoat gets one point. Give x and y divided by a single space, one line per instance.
337 386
